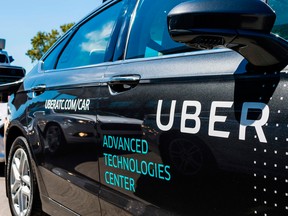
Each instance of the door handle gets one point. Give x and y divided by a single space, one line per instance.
118 84
125 79
39 89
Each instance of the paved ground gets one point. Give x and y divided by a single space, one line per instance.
4 208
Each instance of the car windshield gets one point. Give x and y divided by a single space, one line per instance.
281 25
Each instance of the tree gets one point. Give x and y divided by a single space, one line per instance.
42 41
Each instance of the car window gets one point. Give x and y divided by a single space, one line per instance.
89 44
50 60
3 59
149 35
281 25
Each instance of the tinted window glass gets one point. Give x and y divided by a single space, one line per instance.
149 35
281 24
50 60
3 59
89 44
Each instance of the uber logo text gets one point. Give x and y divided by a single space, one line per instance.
214 118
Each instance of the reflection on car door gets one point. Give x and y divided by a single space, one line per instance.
134 161
197 130
192 133
63 116
63 109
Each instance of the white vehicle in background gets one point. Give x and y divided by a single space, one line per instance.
3 116
8 73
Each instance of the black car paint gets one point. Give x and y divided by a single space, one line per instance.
240 176
232 154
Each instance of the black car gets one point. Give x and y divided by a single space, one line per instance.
156 108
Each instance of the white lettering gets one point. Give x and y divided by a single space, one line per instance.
185 127
171 116
244 122
69 104
217 118
87 104
185 116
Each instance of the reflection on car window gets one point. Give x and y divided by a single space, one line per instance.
149 35
88 46
281 25
50 60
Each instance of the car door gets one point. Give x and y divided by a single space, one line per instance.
189 131
63 106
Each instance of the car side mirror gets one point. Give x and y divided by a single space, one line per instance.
241 25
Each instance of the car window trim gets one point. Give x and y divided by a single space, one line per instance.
112 44
121 38
132 20
174 55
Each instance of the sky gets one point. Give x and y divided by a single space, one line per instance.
21 20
